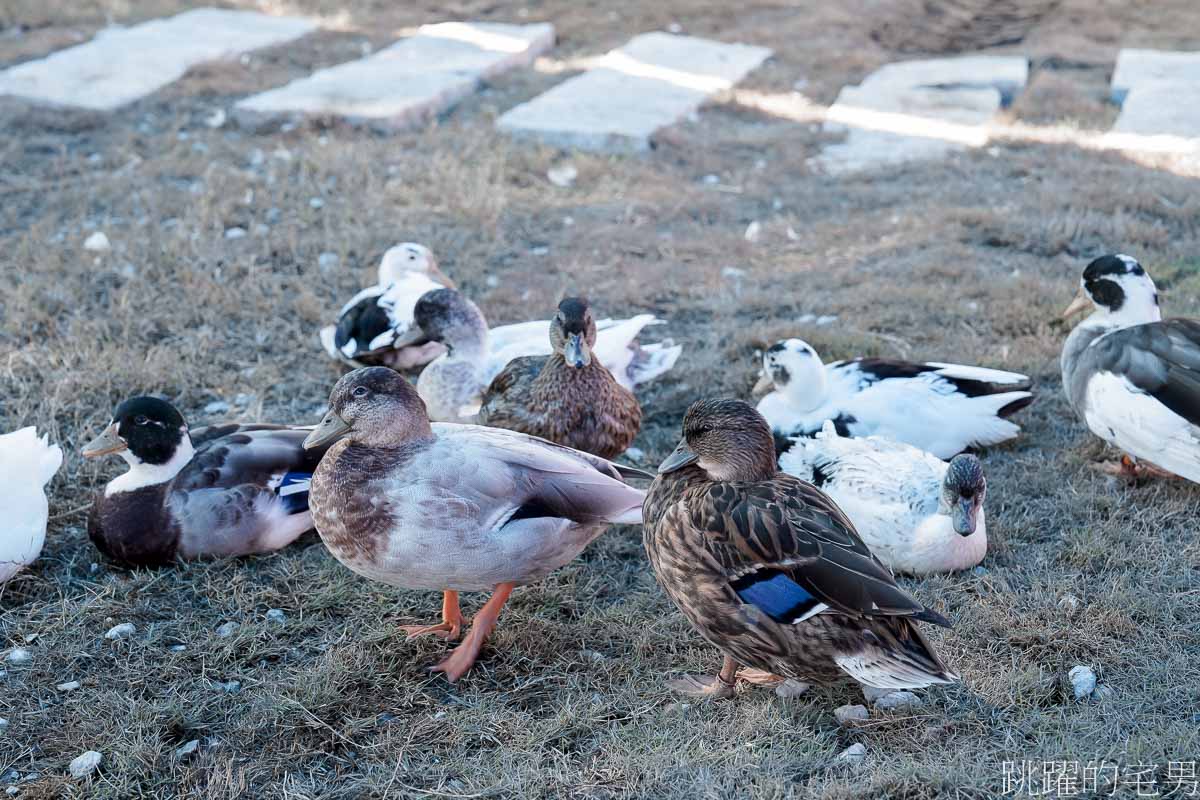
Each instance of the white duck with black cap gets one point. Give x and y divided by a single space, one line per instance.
1133 377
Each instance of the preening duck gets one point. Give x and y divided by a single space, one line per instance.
27 463
221 490
568 397
917 514
1131 376
940 408
452 385
768 568
453 508
370 322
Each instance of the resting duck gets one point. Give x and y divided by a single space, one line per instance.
1133 377
368 325
27 463
940 408
452 385
454 508
767 568
918 514
567 397
221 490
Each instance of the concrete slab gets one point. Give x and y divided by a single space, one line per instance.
1159 116
121 65
913 110
653 80
408 82
1136 66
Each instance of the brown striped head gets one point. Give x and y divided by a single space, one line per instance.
727 439
373 407
573 332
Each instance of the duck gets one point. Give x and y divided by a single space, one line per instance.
27 464
937 407
220 490
369 323
568 396
917 513
453 384
451 507
767 568
1131 376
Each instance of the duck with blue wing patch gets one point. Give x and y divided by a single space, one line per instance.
769 569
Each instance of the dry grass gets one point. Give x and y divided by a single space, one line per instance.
969 259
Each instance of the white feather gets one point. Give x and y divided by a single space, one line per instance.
27 463
1139 424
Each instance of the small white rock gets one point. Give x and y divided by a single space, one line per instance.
217 407
791 234
675 27
177 648
227 630
69 686
635 453
540 250
276 615
216 119
3 723
900 699
827 319
492 281
85 764
753 230
316 203
1083 680
563 175
732 272
187 750
97 242
235 233
18 656
121 631
711 180
327 261
854 754
233 687
851 713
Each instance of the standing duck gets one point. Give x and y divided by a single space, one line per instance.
568 396
27 463
453 508
767 568
370 322
1131 376
940 408
452 385
221 490
918 514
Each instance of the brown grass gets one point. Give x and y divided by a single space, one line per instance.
969 259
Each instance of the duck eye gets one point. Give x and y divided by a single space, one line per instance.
140 420
360 391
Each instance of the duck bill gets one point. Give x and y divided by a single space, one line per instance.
965 517
107 443
576 351
682 457
1080 304
764 385
332 428
410 337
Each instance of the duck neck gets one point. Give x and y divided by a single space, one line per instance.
143 474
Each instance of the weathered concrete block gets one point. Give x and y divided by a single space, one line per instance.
1136 66
408 82
121 65
653 80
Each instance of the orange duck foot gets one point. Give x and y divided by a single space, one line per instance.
463 658
448 629
716 687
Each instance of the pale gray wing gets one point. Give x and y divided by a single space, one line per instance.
232 455
1161 359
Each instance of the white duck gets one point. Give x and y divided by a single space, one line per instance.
452 385
27 463
1132 376
917 513
370 322
940 408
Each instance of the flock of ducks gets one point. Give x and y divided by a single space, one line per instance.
776 530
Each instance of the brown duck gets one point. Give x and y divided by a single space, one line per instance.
567 397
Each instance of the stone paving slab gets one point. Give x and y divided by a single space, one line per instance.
408 82
1165 115
653 80
121 65
1135 67
912 110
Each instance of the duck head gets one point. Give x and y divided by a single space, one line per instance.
963 490
573 332
727 439
446 316
406 257
1119 291
793 368
151 435
373 407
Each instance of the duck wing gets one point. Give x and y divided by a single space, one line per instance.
503 403
259 455
787 549
955 378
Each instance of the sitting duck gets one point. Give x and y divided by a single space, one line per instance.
369 323
940 408
221 490
453 508
1133 377
568 396
452 386
917 514
768 568
27 463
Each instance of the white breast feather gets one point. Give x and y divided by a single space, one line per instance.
1139 424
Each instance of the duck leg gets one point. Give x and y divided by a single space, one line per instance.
450 626
459 662
784 687
719 686
1133 470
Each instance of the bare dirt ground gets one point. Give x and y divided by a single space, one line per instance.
970 259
